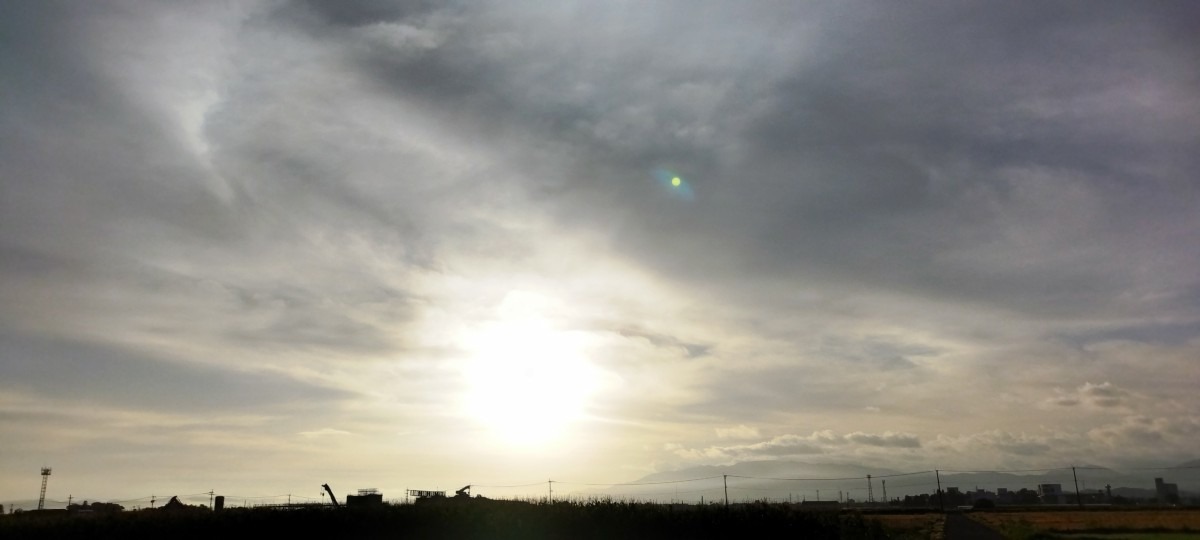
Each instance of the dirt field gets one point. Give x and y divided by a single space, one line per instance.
910 526
1025 524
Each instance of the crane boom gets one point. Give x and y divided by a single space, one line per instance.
331 497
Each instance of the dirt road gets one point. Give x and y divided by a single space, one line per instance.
960 527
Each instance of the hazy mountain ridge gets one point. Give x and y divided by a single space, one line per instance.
831 479
768 469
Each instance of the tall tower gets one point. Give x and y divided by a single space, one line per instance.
45 478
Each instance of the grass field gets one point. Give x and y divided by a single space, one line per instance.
909 526
1175 524
1130 536
495 520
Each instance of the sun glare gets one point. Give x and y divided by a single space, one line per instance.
527 382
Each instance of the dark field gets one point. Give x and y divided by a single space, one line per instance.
470 520
1176 524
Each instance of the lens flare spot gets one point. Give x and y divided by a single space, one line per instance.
674 183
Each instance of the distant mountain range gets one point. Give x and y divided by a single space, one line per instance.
796 480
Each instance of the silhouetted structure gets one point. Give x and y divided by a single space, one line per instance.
1166 493
424 494
1051 493
175 506
46 477
330 492
820 505
94 508
366 497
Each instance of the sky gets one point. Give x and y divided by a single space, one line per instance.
255 247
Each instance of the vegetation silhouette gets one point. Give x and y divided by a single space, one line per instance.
465 520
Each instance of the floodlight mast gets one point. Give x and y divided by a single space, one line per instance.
45 478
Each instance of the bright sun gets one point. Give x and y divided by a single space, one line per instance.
526 381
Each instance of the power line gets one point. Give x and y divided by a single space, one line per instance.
1141 468
641 483
798 479
903 474
1009 470
507 486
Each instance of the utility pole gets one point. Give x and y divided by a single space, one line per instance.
210 497
550 484
941 499
818 494
885 499
725 479
870 491
1078 499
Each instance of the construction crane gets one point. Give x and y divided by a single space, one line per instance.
331 497
464 492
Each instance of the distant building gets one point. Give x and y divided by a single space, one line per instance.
94 508
981 495
1166 493
365 497
1051 493
820 505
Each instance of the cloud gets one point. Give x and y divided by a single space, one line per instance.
99 373
932 228
740 431
887 440
691 350
1100 396
323 432
1148 435
792 446
1104 394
